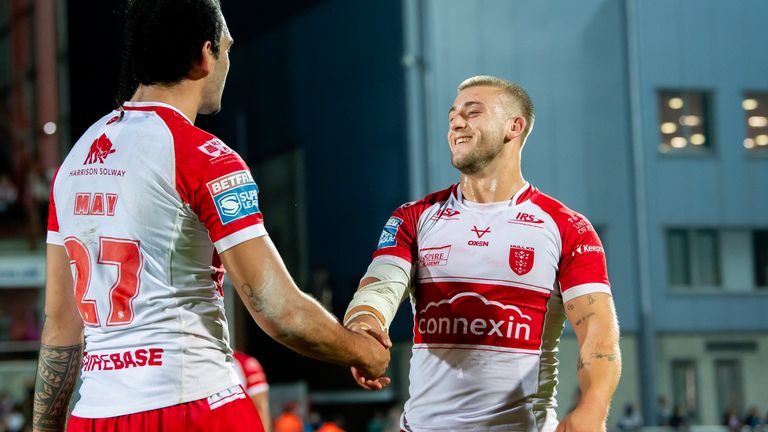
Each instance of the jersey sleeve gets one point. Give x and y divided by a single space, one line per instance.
397 242
255 378
219 188
54 237
583 269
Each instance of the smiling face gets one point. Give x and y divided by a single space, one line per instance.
478 127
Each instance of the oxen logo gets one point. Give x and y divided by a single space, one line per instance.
100 149
521 259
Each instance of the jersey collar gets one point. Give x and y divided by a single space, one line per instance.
147 106
515 200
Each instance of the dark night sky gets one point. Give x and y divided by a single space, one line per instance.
95 41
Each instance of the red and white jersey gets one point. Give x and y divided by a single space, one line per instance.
251 374
489 282
143 206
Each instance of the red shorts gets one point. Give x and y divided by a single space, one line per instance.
239 415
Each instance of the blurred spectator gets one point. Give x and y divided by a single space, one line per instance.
393 418
662 411
289 420
378 423
752 419
678 420
631 420
8 193
14 420
333 426
314 422
731 419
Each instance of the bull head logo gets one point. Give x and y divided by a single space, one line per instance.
100 149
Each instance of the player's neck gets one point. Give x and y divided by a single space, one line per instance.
182 96
499 181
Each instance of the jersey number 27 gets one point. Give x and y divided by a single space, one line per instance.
126 256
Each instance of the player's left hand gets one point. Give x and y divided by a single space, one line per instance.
582 420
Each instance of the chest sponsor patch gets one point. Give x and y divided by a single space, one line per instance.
437 256
235 196
389 233
475 315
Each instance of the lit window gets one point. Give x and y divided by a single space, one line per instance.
755 105
684 121
693 257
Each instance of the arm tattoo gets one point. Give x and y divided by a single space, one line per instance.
570 307
609 357
56 375
591 300
580 364
584 318
253 300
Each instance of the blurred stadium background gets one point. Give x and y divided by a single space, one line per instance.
652 119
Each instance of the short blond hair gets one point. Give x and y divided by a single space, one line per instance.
521 102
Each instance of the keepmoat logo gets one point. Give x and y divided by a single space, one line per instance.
582 249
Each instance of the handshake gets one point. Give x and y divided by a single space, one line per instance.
373 345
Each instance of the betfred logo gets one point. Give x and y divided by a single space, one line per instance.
215 148
521 259
437 256
582 249
471 318
229 181
100 149
235 196
446 214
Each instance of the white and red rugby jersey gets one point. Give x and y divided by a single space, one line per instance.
143 206
489 282
251 374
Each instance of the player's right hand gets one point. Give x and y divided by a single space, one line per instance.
374 359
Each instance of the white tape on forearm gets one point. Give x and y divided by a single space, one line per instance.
383 296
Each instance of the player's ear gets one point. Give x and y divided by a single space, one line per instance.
204 65
514 127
